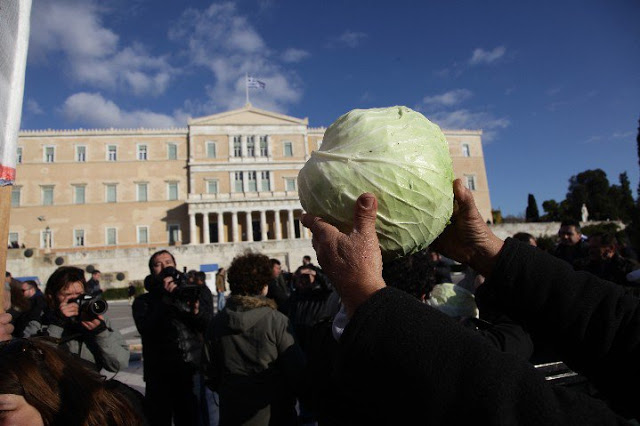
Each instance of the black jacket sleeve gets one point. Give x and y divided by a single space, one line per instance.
400 360
591 323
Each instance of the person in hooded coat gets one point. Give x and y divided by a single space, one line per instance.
258 362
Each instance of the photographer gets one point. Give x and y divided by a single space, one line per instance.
171 319
79 330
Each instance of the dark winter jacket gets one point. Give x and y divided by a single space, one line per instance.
431 370
259 361
171 334
614 269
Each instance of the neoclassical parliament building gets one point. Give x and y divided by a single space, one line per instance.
227 177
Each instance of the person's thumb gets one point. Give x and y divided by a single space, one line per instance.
364 220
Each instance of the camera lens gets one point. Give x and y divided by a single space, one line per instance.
99 307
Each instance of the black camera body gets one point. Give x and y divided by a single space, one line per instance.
91 305
186 291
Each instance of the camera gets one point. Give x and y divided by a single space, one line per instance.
91 305
186 291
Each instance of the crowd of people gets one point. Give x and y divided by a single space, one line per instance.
348 341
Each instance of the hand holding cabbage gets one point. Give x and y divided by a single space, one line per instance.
394 153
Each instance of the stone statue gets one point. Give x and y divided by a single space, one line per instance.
585 213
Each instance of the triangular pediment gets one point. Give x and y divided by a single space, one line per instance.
248 116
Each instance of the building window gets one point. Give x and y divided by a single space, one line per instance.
237 146
288 149
290 184
174 234
265 178
141 191
49 154
172 151
264 150
252 184
112 153
142 152
15 196
143 234
466 151
78 194
19 155
251 146
81 153
46 238
111 236
471 182
212 186
111 193
211 149
237 182
14 240
47 195
78 237
172 191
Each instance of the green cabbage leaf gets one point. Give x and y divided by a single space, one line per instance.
398 155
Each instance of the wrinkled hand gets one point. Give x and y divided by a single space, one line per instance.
468 239
352 262
6 328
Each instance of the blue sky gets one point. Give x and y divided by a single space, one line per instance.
554 85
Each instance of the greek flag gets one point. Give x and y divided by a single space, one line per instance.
254 83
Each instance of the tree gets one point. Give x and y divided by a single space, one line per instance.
591 188
553 211
625 204
532 214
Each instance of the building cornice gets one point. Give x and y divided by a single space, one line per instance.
102 132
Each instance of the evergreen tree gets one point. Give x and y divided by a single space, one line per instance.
532 214
626 205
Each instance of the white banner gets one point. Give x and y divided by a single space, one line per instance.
14 39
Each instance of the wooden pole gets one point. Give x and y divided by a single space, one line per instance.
5 211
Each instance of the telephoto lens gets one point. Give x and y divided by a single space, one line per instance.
93 305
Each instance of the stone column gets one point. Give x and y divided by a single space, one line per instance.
249 225
290 228
205 228
263 225
245 182
243 146
234 226
221 236
278 225
269 148
258 180
231 146
192 229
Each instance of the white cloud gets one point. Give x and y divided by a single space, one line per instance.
294 55
450 98
224 41
93 110
472 120
351 39
481 56
72 32
622 135
33 107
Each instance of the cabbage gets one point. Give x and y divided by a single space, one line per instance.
398 155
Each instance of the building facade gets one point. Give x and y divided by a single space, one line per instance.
226 178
